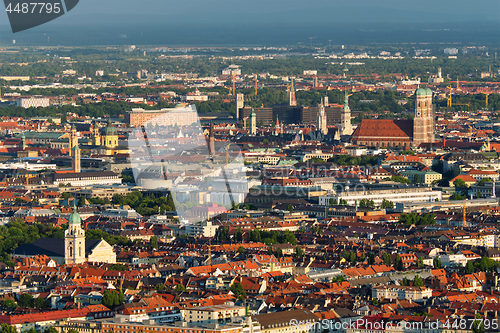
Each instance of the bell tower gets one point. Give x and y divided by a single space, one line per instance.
74 239
345 117
96 136
73 140
423 122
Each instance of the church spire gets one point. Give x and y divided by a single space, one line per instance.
345 117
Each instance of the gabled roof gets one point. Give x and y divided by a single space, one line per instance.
387 128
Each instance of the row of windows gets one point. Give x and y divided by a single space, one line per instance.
128 329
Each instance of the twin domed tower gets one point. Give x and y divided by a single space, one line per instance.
423 123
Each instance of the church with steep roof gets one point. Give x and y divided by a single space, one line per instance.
105 141
73 249
399 133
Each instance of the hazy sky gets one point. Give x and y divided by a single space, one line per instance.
282 17
217 11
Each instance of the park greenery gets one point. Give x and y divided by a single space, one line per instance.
416 219
271 237
18 232
364 160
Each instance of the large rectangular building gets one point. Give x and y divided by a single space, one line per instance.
184 116
33 102
287 114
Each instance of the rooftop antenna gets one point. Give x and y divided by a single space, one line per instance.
311 41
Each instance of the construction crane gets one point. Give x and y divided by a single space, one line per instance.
465 212
227 154
468 104
121 282
487 94
448 104
234 84
210 252
28 177
311 40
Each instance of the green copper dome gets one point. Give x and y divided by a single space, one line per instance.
74 218
423 91
109 129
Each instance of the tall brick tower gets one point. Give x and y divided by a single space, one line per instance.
423 123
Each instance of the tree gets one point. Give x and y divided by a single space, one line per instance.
290 208
483 181
387 259
469 267
118 267
478 325
486 264
6 328
153 243
81 201
460 183
66 195
418 282
420 262
299 253
405 282
279 253
238 291
40 303
338 278
437 262
416 179
241 250
111 299
332 202
400 179
26 301
367 203
386 204
456 196
398 263
8 303
238 236
371 258
180 287
160 287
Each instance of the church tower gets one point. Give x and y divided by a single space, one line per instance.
73 140
345 117
76 161
253 123
240 103
23 141
423 122
211 140
291 95
109 136
74 239
321 120
96 137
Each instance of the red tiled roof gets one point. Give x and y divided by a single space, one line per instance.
400 129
